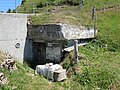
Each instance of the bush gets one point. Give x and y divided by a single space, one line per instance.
43 3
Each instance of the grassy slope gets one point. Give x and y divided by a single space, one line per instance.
64 14
98 69
109 27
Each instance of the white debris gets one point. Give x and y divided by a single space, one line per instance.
8 64
52 69
48 71
39 69
60 75
3 80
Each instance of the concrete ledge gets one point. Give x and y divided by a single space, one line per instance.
52 32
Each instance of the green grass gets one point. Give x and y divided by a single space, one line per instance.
24 79
99 68
64 13
108 26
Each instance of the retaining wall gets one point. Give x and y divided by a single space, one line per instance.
13 33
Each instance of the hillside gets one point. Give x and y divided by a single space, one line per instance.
63 11
99 68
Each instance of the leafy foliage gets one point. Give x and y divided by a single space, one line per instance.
9 11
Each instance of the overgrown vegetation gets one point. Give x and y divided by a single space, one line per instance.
99 68
63 12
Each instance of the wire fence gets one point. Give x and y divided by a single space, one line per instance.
32 7
66 7
29 7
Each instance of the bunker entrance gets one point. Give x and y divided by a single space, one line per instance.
39 53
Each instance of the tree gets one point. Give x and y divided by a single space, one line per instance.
13 11
1 11
9 10
23 2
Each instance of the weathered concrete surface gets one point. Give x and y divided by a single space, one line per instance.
53 52
52 72
17 38
72 47
52 32
13 29
60 75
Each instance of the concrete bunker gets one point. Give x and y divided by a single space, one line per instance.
48 41
44 52
37 43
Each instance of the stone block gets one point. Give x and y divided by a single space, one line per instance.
60 75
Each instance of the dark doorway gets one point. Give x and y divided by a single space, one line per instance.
39 53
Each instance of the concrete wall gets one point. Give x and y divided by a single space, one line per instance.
52 32
53 52
13 29
28 52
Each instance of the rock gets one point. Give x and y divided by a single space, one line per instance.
8 64
52 72
60 75
3 80
1 76
8 56
39 69
52 69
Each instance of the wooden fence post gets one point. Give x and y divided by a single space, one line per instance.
81 1
75 51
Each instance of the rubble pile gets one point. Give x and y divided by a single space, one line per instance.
51 72
8 63
3 79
